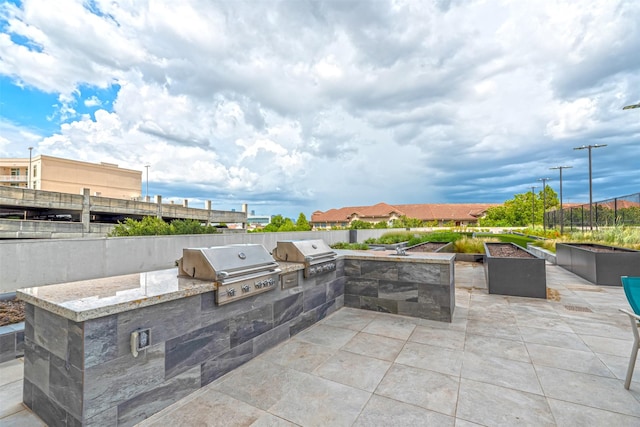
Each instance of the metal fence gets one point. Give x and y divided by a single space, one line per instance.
619 211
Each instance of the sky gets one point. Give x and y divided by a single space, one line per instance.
297 106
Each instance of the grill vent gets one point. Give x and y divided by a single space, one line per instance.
578 308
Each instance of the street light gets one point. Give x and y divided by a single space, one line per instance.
146 198
589 147
29 171
561 211
533 206
544 203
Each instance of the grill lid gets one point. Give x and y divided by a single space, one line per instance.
222 263
306 251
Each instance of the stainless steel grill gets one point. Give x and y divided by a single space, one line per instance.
316 255
238 271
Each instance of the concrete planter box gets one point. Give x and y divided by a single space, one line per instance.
521 275
599 264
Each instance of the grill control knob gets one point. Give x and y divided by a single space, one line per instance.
231 292
245 288
271 281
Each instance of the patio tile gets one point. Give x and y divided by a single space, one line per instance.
354 370
500 328
299 355
327 336
438 337
492 405
320 402
502 372
569 414
350 318
24 418
11 398
608 345
12 370
554 338
210 409
427 389
590 390
261 385
383 348
439 359
618 366
497 347
383 412
391 326
571 360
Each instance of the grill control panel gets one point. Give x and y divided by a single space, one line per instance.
314 270
233 291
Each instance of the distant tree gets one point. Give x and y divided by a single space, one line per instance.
287 225
517 212
302 224
360 225
406 222
381 225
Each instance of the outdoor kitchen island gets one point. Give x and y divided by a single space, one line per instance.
115 350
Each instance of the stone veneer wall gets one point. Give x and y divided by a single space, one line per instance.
424 290
11 341
193 341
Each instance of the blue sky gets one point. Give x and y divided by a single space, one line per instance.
300 106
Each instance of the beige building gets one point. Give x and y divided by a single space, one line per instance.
71 176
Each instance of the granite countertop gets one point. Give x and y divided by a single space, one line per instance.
391 255
91 299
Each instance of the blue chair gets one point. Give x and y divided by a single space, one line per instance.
631 287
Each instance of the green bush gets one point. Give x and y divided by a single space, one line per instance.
154 226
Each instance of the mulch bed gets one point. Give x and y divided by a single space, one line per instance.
426 247
11 311
507 251
599 248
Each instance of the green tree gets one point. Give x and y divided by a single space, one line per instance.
519 211
287 225
360 225
381 225
302 224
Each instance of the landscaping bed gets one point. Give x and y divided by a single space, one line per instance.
11 311
599 264
512 270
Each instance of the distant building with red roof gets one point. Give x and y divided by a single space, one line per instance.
444 213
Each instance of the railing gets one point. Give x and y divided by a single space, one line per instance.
619 211
13 178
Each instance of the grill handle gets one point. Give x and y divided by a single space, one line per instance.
221 275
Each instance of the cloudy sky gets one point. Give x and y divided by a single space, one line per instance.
296 106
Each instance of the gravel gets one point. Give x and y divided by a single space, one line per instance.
11 311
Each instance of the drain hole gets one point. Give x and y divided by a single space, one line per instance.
578 308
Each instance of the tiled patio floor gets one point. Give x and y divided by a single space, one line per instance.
503 361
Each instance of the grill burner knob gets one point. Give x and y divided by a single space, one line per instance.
231 292
245 288
271 281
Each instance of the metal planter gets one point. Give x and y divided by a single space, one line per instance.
599 264
515 276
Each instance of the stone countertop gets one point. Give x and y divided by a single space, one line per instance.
91 299
392 256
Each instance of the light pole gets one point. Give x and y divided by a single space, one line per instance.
533 206
146 198
29 171
544 203
589 147
561 211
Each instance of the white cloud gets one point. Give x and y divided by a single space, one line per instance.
314 104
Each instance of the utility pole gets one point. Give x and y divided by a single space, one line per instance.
589 147
561 211
533 206
29 171
544 204
146 198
